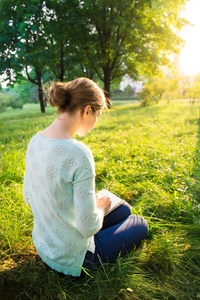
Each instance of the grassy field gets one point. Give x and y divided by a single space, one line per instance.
148 156
33 110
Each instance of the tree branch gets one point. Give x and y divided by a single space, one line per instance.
29 78
95 69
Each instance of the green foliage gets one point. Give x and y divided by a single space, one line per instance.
146 95
4 102
127 94
128 91
160 86
17 105
10 99
147 155
169 86
104 38
129 37
117 92
190 86
28 93
23 42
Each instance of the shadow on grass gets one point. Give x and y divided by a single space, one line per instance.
25 276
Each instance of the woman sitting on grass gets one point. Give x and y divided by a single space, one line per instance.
70 231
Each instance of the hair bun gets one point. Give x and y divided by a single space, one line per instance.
59 95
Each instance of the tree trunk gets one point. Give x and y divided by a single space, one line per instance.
40 91
62 70
107 87
90 73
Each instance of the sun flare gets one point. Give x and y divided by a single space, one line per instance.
190 54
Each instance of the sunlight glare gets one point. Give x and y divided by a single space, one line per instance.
190 54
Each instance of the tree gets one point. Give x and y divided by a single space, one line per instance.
104 37
160 86
196 87
190 86
128 91
23 41
10 98
37 36
126 37
65 55
26 90
58 37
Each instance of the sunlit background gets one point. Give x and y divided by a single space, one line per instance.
188 62
190 55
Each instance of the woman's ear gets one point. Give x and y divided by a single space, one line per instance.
86 111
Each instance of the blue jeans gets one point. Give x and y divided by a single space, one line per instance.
120 233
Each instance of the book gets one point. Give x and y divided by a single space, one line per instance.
115 201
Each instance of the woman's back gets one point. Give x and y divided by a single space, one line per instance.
60 177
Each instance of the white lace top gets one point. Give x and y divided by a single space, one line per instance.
59 184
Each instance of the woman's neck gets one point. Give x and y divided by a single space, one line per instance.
63 127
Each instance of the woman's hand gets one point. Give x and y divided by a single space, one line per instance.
103 203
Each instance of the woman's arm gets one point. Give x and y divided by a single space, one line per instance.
89 210
25 190
89 217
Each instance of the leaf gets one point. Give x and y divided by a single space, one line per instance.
187 247
129 290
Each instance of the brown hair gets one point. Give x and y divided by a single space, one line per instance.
76 94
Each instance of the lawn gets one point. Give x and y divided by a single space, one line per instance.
150 157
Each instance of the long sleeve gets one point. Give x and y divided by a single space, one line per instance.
25 190
88 218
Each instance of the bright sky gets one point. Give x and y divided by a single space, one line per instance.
190 55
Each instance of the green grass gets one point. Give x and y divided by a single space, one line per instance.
33 110
148 156
28 111
122 102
